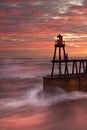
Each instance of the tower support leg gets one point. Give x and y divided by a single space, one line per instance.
60 69
66 68
53 62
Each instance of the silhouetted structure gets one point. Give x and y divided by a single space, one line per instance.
69 72
60 46
78 66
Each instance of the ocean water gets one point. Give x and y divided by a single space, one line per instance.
25 106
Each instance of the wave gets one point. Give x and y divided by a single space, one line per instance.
36 97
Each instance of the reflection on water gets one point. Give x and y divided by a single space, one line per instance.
25 106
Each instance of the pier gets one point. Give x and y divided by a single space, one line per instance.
68 74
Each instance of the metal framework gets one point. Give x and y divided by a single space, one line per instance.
78 66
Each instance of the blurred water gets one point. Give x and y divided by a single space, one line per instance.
24 105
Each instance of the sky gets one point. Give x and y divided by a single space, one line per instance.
28 27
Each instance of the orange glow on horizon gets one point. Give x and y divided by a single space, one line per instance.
28 27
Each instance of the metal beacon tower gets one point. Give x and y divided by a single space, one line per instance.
68 74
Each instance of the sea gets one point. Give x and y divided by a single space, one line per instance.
24 105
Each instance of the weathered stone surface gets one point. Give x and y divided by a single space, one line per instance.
68 83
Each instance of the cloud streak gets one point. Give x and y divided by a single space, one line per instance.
39 21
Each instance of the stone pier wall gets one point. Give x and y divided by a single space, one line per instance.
68 83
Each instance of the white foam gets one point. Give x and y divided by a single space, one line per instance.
46 99
36 97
